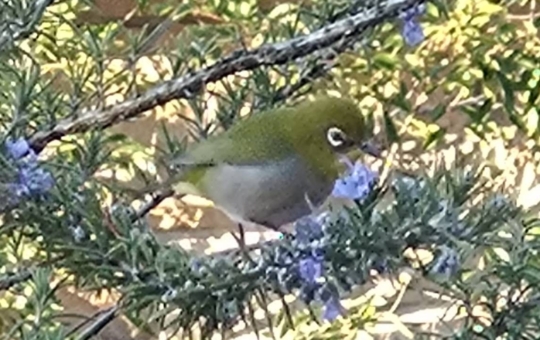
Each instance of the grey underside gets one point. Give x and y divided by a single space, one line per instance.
270 195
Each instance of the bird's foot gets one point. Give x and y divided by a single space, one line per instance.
241 239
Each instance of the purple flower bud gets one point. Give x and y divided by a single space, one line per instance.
310 270
356 184
195 264
332 309
412 33
413 12
31 179
34 180
18 148
307 229
380 265
447 263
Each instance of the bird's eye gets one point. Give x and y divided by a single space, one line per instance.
336 137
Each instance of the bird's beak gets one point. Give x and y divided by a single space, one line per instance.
371 148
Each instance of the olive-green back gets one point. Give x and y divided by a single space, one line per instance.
277 135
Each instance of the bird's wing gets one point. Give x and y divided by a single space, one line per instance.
192 167
258 140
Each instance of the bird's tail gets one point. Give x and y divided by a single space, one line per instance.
179 182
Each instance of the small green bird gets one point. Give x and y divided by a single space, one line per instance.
274 167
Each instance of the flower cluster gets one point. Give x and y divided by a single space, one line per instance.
412 31
302 264
309 232
31 179
447 263
357 182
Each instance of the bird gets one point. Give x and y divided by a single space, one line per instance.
277 166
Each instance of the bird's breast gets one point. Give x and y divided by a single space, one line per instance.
267 194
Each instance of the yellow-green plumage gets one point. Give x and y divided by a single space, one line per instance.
262 168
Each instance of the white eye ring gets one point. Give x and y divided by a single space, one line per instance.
335 137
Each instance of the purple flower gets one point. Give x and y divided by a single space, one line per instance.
30 178
413 12
307 229
332 308
34 180
310 270
18 148
447 263
356 184
412 31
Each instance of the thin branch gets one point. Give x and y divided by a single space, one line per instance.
156 199
190 84
106 317
87 320
325 61
318 70
14 277
522 17
11 279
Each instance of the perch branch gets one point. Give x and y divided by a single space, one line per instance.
240 60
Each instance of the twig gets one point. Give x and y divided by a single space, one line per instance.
102 321
313 73
157 198
323 64
190 84
387 164
87 320
12 279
